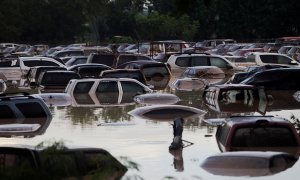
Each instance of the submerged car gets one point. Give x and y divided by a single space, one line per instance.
157 74
156 98
189 84
251 70
89 70
58 162
276 79
178 63
56 79
105 91
248 163
261 133
34 72
124 73
263 58
212 74
102 58
166 112
236 98
25 127
22 106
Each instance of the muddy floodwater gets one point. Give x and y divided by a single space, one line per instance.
143 144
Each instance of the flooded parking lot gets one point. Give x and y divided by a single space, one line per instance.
142 144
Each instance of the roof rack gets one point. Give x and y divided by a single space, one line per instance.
17 93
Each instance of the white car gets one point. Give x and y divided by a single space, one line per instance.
16 69
262 58
178 63
105 91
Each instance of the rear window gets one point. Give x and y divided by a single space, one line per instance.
31 109
263 137
275 59
6 112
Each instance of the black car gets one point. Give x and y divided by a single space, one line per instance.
157 74
102 58
58 162
239 77
56 79
124 73
35 72
89 70
276 79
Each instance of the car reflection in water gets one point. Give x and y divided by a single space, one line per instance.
244 98
24 127
248 163
167 112
58 162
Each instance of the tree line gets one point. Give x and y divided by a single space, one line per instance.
96 21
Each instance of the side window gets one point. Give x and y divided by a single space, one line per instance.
79 61
83 87
31 110
283 60
107 92
131 87
199 61
6 112
48 63
275 59
214 61
32 63
182 61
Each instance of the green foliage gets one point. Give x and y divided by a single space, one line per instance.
57 21
159 26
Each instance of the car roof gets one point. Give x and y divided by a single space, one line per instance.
236 120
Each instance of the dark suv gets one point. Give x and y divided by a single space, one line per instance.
22 106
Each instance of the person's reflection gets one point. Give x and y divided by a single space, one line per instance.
176 146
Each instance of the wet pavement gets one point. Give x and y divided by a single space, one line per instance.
143 144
